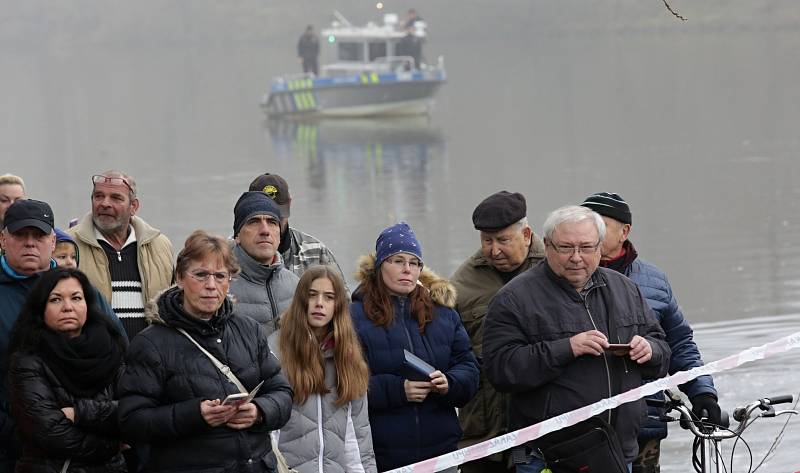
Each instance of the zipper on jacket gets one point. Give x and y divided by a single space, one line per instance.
605 357
402 302
119 256
319 431
272 304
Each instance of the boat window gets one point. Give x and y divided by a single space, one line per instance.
351 51
376 50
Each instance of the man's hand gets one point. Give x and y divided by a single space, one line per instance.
215 414
705 405
417 391
439 382
641 351
592 343
245 417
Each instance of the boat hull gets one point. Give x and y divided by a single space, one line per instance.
355 96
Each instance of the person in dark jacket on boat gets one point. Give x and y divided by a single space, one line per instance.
412 417
66 356
171 393
547 331
264 288
619 254
308 50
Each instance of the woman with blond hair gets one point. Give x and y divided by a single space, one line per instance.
320 354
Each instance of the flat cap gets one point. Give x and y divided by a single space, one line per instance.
499 210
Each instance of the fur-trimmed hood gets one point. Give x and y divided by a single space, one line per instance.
442 292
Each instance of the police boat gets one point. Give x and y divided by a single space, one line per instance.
370 76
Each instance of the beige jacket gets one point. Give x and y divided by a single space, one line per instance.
154 254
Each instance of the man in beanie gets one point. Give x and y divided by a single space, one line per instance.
128 260
28 239
264 288
299 250
619 254
508 247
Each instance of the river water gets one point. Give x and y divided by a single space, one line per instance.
694 123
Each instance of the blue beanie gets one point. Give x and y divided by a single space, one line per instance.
64 237
251 204
399 238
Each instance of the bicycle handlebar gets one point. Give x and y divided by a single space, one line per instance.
785 399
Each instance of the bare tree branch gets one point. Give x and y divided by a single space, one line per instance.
676 14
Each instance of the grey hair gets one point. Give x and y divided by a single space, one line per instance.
12 179
520 224
573 214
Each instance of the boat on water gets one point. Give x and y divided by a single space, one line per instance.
370 76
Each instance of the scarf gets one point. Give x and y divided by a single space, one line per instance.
86 364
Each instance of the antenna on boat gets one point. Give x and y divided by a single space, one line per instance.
339 17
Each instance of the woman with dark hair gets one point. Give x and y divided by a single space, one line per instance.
65 358
172 394
399 307
328 431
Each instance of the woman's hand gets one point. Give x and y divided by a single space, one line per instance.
439 383
215 414
417 391
245 417
69 413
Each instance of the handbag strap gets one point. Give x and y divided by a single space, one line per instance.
65 467
225 369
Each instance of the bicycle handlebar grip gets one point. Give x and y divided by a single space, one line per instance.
786 398
738 414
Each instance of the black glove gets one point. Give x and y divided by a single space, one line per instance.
707 403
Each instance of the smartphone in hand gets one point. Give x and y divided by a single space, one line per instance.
235 399
619 349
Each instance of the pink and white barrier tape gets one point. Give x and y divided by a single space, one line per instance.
512 439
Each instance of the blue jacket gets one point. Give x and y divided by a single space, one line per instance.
14 290
406 432
657 291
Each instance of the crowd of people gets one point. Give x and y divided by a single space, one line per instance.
251 354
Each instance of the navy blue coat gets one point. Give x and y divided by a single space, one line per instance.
685 355
406 432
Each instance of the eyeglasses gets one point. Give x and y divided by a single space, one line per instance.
202 276
401 263
570 250
114 181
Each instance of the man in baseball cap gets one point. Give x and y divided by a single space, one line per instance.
299 250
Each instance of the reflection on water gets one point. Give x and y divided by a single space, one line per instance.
368 173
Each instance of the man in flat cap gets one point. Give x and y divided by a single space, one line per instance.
508 247
299 250
619 254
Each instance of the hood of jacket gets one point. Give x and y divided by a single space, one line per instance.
442 292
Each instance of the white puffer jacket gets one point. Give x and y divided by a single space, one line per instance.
323 438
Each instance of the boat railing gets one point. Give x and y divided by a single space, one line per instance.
378 65
293 77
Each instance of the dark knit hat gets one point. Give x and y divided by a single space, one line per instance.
276 188
29 213
64 237
609 204
399 238
499 210
251 204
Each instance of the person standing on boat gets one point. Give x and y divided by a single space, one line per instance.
299 250
410 45
508 248
412 18
308 50
264 288
619 254
128 260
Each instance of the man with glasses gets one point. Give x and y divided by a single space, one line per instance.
508 248
264 288
547 335
129 261
619 254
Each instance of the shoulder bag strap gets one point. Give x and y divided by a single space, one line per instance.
223 368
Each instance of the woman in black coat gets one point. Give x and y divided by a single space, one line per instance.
65 359
171 393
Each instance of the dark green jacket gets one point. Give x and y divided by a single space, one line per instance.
476 283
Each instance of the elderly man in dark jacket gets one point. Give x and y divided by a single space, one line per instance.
619 254
508 248
548 331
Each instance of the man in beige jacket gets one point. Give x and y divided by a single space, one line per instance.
125 258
